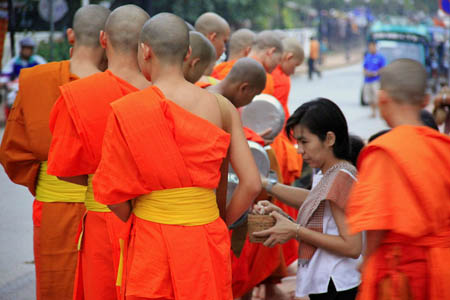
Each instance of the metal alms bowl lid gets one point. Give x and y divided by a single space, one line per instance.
264 112
262 162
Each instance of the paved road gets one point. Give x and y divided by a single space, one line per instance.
16 252
343 86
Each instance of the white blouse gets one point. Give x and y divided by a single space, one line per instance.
314 277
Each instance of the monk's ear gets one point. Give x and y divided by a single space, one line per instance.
383 97
211 36
270 51
247 50
288 56
426 100
330 139
146 51
188 54
244 87
194 62
70 36
103 39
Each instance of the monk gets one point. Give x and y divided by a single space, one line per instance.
163 147
400 201
78 122
59 206
202 55
293 56
267 49
241 42
214 28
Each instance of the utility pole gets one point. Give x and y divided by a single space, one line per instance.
52 27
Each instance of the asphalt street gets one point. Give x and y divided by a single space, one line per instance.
16 233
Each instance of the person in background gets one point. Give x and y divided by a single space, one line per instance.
314 53
373 63
25 59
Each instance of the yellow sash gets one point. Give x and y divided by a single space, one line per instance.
190 206
50 189
91 204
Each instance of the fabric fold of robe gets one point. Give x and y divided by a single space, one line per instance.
78 123
404 188
153 144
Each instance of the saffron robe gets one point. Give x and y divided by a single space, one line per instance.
282 87
404 188
25 145
270 85
78 123
221 70
153 144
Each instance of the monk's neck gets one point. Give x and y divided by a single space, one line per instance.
85 61
167 75
404 115
127 68
235 56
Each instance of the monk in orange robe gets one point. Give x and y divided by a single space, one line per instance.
241 42
203 54
401 198
216 29
59 206
293 56
163 147
78 122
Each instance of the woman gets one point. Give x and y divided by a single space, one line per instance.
328 254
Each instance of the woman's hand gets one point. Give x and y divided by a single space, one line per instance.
283 231
265 207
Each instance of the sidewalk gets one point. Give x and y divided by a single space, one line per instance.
334 60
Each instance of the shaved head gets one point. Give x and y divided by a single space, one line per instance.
201 48
240 40
405 80
124 26
210 22
292 45
88 21
248 70
168 36
268 39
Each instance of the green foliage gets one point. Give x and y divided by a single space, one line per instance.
61 50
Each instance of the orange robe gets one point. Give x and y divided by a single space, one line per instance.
221 70
404 188
152 144
282 87
78 122
25 145
270 85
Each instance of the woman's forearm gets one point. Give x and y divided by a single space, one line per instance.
292 196
349 246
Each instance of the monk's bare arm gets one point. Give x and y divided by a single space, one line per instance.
344 244
80 180
122 210
292 196
244 165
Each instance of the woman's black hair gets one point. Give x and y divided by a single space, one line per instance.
356 145
321 116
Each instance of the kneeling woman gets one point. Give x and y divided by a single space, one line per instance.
328 254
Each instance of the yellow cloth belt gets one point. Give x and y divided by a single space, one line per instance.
91 204
50 189
190 206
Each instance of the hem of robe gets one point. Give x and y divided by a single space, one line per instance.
169 273
99 256
55 248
